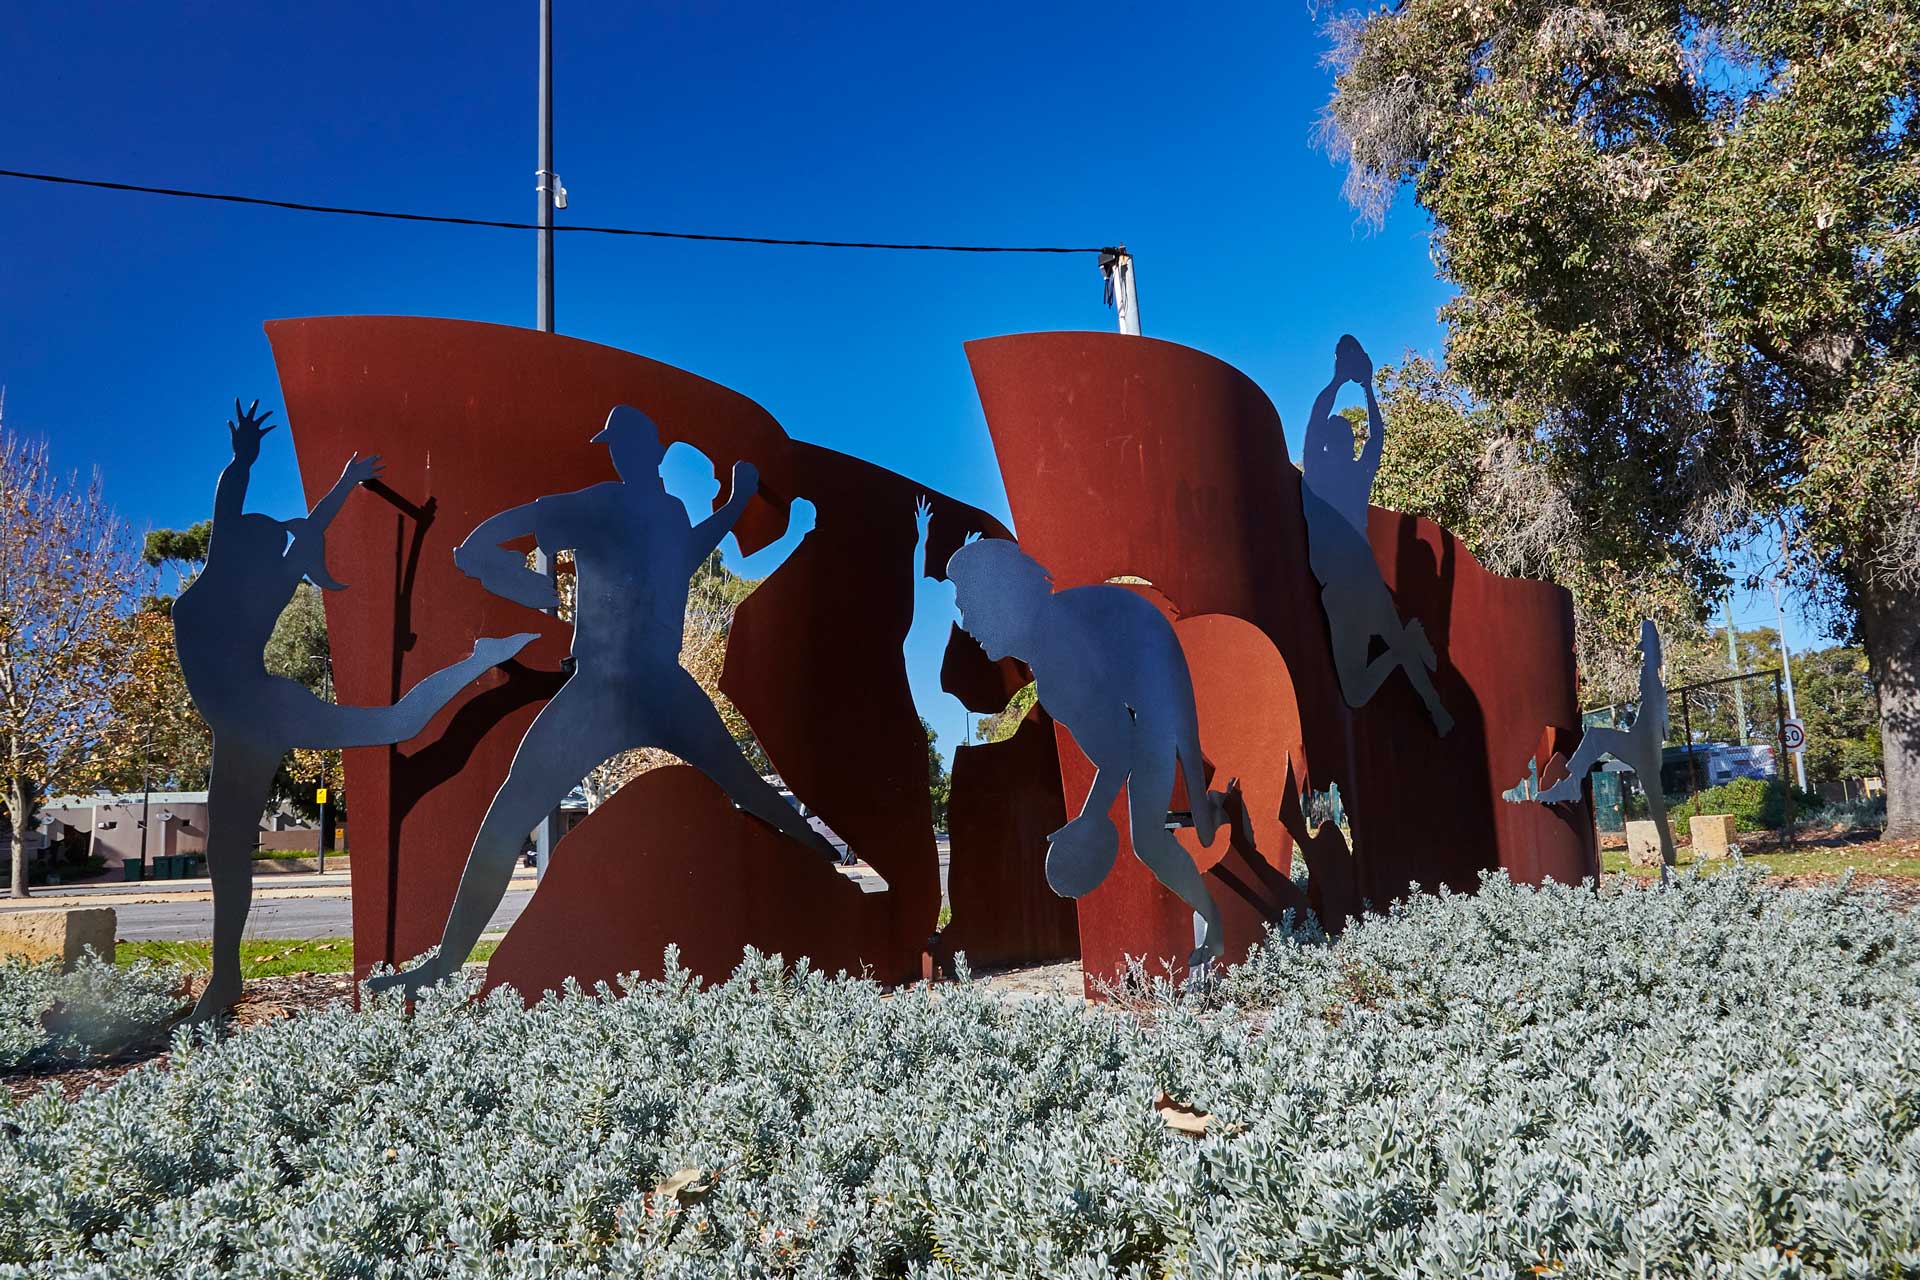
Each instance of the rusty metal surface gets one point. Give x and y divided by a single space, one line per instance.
1131 457
474 418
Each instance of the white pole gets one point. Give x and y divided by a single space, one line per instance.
1116 264
1733 669
1124 294
1786 668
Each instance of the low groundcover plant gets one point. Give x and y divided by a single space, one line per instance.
1714 1078
50 1019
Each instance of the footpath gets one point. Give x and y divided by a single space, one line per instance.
292 884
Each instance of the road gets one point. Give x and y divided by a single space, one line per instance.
317 906
190 919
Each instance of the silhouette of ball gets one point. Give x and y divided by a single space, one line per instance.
1081 854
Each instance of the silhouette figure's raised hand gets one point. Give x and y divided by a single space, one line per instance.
246 430
359 470
922 515
1351 362
746 481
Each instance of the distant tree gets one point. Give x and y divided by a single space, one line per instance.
1004 723
1833 692
158 735
939 781
180 547
1684 238
68 575
1456 462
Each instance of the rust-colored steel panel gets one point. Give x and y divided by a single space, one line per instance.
1006 800
475 418
1126 456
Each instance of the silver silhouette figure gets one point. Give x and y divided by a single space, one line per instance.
221 624
634 554
1640 748
1335 488
1107 665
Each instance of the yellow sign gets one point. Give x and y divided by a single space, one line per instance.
320 796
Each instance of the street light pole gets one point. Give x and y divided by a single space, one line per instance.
543 253
548 833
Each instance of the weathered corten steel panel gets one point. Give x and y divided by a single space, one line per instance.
1130 457
474 418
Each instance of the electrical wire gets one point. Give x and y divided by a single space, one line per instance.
450 220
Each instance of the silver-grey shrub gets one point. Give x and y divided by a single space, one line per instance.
1716 1079
49 1018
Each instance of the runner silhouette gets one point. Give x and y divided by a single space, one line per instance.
221 624
1335 486
633 553
1640 748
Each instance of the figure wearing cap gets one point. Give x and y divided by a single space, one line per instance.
634 554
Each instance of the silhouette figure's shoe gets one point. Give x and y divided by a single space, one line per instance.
494 650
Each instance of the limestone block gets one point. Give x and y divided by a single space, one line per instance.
1712 833
60 933
1643 843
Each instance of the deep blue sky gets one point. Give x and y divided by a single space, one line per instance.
128 323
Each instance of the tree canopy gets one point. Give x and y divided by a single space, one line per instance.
1685 238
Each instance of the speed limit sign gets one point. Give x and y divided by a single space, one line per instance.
1794 734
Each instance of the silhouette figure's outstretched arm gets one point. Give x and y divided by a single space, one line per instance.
309 550
746 482
357 472
230 496
505 572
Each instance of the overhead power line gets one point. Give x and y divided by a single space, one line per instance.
450 220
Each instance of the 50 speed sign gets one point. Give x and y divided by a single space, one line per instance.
1794 734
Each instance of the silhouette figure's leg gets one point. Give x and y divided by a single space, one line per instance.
1149 786
1413 655
1645 757
242 776
1594 743
562 745
309 722
692 729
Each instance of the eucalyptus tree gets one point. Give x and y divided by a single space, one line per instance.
1684 236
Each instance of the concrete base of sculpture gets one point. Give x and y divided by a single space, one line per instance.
1713 834
60 933
1643 844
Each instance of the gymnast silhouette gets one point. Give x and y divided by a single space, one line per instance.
634 554
221 624
1335 486
1107 665
1640 748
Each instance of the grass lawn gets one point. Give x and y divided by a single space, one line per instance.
263 957
1875 858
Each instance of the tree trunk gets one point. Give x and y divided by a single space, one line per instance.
1890 625
20 806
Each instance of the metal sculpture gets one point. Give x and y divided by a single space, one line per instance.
1358 604
1639 747
221 624
1133 455
1108 667
634 553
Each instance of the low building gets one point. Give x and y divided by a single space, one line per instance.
176 823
